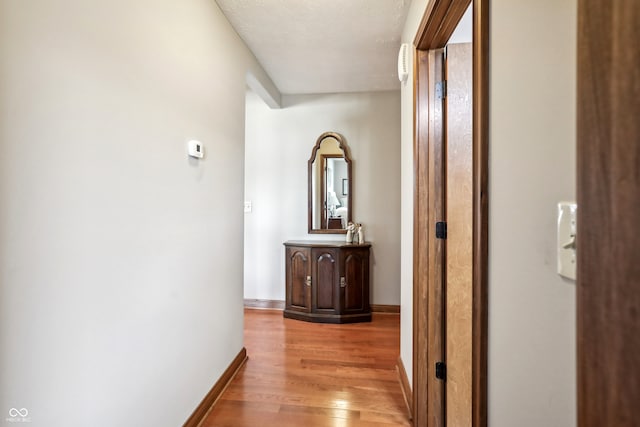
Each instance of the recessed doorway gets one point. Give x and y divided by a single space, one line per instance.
450 219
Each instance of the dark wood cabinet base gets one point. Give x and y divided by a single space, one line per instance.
328 318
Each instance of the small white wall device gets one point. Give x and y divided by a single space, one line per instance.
403 62
195 149
567 238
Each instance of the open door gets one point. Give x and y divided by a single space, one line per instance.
459 218
429 249
450 220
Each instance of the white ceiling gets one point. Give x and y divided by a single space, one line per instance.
323 46
463 32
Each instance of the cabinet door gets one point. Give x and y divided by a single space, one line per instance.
354 280
325 297
298 280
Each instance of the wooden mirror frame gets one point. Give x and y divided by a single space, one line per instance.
347 157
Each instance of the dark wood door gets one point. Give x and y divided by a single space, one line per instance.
429 251
324 292
298 280
354 275
608 238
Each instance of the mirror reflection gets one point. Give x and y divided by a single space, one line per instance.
330 184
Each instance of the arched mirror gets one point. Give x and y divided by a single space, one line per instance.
330 185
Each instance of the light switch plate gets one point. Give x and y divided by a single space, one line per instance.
247 207
195 149
567 237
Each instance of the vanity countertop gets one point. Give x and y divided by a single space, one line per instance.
326 243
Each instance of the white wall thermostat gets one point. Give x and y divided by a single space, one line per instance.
195 149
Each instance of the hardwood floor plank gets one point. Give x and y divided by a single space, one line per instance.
325 412
309 374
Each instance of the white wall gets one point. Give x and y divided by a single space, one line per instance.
120 259
532 166
278 146
414 16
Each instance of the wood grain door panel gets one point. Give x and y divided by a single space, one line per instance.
355 271
608 196
298 270
459 268
325 273
429 252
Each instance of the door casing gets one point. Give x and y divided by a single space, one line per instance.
438 23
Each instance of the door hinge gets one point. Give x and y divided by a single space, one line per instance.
441 89
441 230
441 371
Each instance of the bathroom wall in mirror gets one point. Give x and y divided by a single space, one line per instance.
330 185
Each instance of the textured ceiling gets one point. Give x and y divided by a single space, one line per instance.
323 46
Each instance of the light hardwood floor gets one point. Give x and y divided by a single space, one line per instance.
307 374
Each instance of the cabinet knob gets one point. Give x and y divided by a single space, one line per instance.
308 281
343 282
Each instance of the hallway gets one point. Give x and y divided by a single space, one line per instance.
306 374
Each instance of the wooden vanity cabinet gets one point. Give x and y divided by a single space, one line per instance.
327 282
